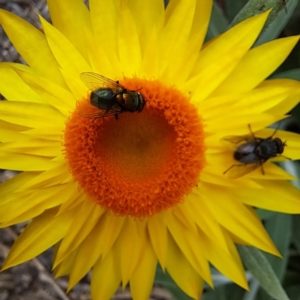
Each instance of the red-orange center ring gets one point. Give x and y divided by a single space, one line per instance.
144 162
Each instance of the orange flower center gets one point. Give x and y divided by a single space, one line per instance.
142 163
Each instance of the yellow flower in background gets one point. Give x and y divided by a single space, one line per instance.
120 196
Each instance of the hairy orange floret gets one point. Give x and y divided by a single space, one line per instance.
143 162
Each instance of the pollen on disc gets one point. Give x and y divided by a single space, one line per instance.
144 162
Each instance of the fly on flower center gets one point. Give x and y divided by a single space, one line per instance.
143 162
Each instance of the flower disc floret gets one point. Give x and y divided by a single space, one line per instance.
143 162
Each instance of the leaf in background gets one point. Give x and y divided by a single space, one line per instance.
221 280
166 281
296 232
218 22
264 214
291 74
254 7
276 23
254 286
293 168
257 263
232 8
217 294
279 227
294 292
228 292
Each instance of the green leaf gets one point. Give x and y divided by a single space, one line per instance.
290 74
165 280
293 168
228 292
296 232
264 214
292 277
218 23
254 287
283 14
294 292
257 263
279 227
233 7
276 22
217 294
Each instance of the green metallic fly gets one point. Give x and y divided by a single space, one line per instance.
111 97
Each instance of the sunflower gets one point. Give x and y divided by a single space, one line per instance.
120 196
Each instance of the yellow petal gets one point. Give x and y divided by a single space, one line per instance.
105 20
283 84
51 93
128 43
107 272
75 16
204 219
66 266
218 59
74 201
198 261
179 20
34 49
128 255
237 218
271 172
262 99
26 206
33 146
278 196
149 16
89 249
214 175
201 19
238 125
29 114
57 175
84 220
42 233
228 264
98 59
10 132
11 185
150 63
52 132
290 102
141 281
75 84
24 162
191 283
110 231
257 65
14 88
185 57
159 241
183 62
65 53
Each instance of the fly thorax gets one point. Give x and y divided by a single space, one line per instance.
103 98
267 149
94 99
280 145
131 101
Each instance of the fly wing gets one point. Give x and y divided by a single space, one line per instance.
239 170
237 139
100 113
96 81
